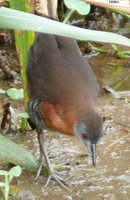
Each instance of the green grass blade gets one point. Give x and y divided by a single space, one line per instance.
11 152
19 20
23 41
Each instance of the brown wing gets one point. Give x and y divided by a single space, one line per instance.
57 72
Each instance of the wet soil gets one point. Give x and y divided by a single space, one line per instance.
110 179
111 71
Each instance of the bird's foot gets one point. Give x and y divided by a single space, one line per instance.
44 159
54 175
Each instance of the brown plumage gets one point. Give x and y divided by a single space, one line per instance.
59 71
66 89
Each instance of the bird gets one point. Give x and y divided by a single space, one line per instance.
63 90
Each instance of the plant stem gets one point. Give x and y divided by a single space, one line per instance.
6 189
23 124
122 13
68 16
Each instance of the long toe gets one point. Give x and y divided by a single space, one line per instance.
39 170
53 176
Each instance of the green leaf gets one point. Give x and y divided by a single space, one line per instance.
15 171
14 153
14 93
24 115
2 91
80 6
14 19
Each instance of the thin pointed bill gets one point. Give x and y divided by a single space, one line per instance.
93 153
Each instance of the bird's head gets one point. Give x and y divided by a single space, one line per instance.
88 129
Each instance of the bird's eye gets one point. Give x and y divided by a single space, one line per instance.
84 136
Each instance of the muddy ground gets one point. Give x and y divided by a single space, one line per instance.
110 179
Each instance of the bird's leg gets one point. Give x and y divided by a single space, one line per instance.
44 155
40 134
34 113
34 110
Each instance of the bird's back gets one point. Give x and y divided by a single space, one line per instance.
58 73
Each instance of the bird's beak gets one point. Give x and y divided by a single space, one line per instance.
92 148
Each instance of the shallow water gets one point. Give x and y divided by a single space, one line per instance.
111 71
